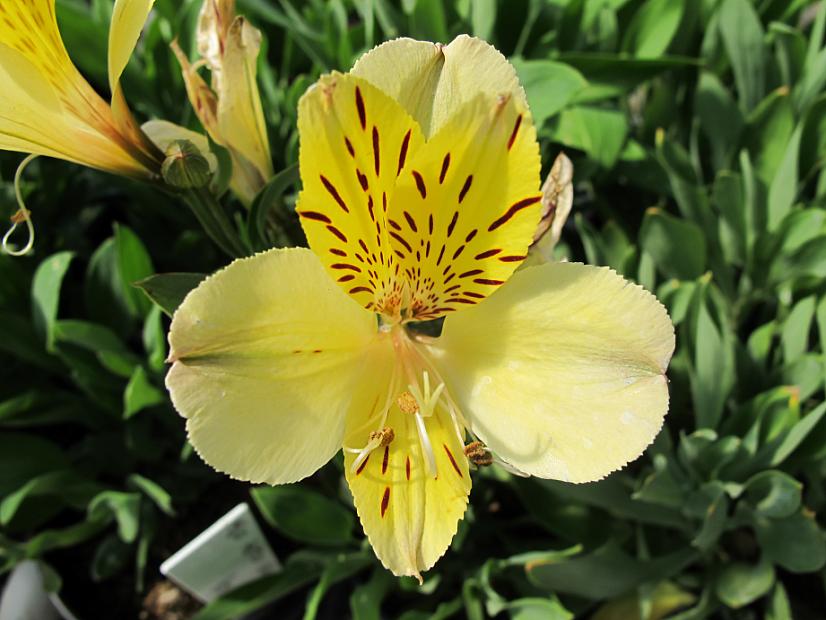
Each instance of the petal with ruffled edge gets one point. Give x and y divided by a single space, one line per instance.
561 372
269 358
432 81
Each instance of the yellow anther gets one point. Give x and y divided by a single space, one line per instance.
478 454
384 436
407 403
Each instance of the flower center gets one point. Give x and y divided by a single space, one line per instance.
425 393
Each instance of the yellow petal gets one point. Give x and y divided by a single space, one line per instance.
464 212
562 371
204 101
355 141
433 81
34 120
128 19
47 107
269 358
214 21
239 113
409 516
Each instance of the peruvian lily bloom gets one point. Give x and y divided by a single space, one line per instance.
48 108
421 196
231 109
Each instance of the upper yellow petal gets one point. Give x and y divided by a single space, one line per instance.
464 211
128 19
432 81
48 108
354 142
269 358
562 370
240 116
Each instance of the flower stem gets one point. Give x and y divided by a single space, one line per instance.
215 222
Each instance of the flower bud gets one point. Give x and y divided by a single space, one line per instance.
185 167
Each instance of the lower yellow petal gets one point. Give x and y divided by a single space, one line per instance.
269 358
408 514
561 371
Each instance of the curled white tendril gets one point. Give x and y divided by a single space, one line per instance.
22 215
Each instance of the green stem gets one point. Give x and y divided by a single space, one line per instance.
215 222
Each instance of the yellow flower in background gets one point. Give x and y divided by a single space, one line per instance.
48 108
420 172
230 110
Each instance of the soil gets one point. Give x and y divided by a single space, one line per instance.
166 601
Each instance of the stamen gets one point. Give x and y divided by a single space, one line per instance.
407 403
384 436
378 439
427 448
478 454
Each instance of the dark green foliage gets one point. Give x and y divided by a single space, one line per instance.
697 129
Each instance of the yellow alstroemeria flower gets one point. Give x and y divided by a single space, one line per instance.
231 109
420 173
48 108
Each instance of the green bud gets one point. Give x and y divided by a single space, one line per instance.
185 167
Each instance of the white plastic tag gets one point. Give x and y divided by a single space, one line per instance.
228 554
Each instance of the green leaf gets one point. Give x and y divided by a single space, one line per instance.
796 543
677 246
266 203
111 557
768 131
337 569
653 27
49 540
483 18
622 72
124 507
23 457
140 393
155 492
735 236
366 599
549 85
99 340
742 35
305 515
599 132
794 335
46 293
168 290
133 264
783 188
779 607
606 572
537 609
255 595
719 116
714 502
740 584
713 371
773 494
63 485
